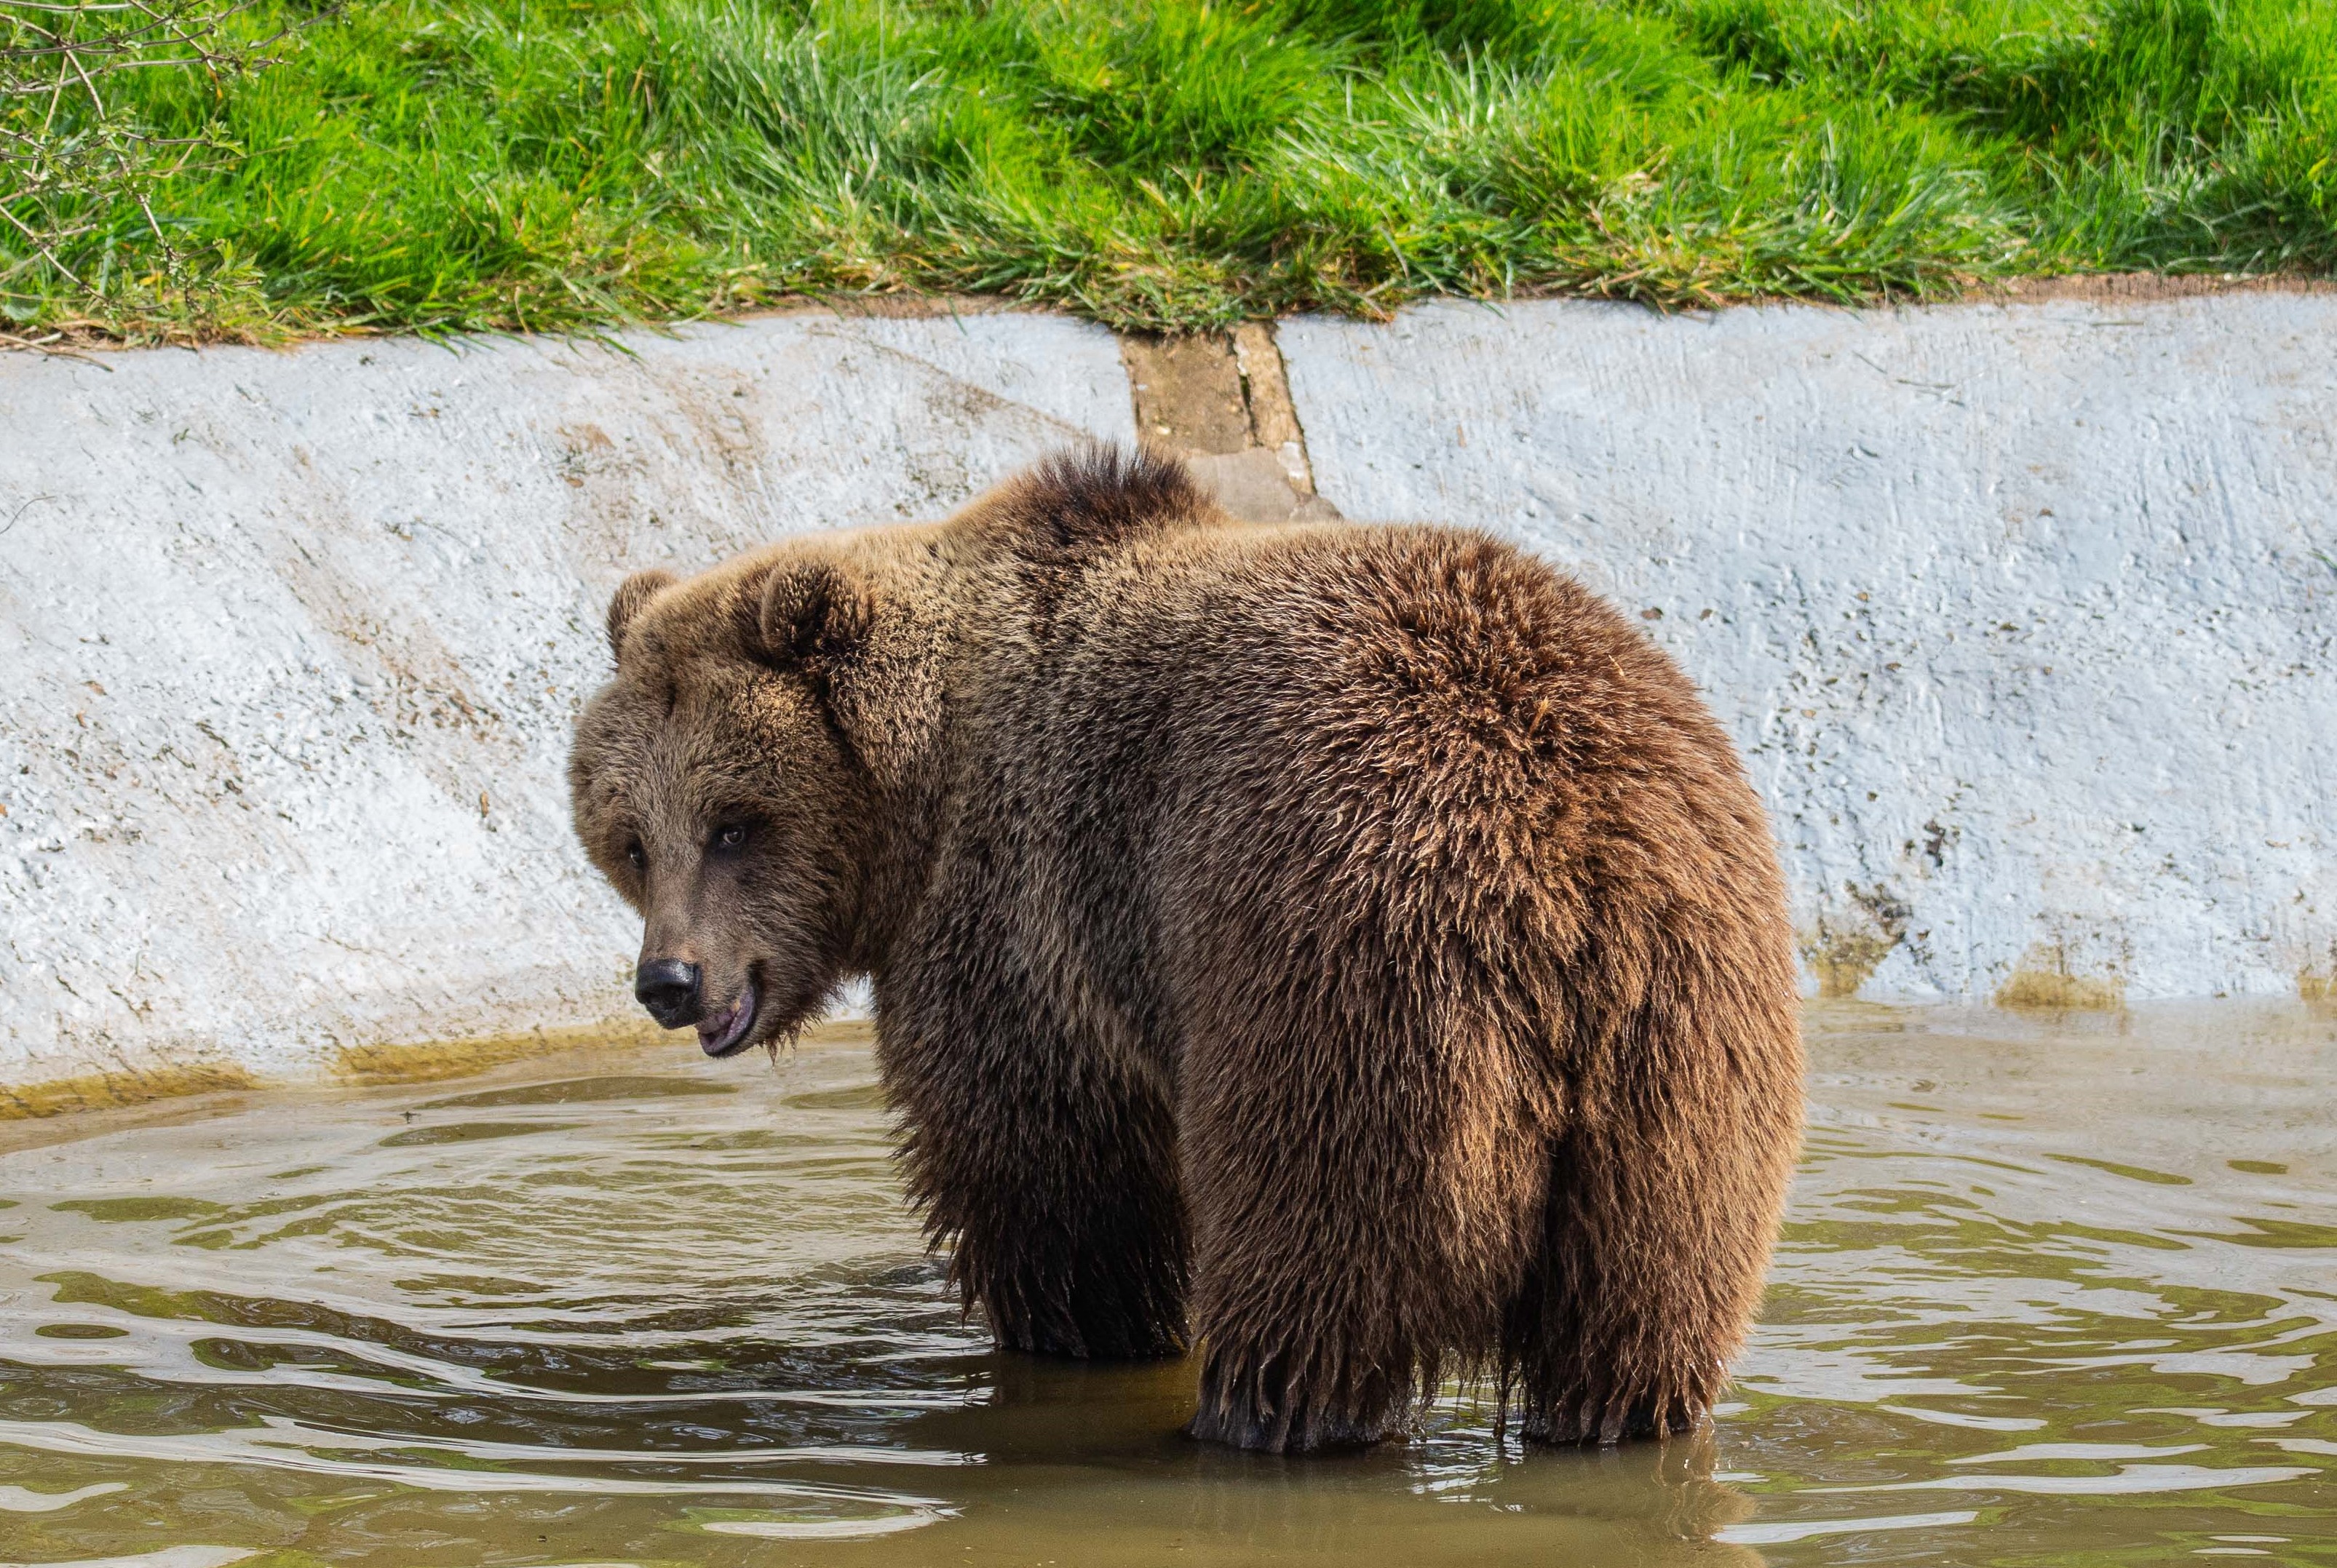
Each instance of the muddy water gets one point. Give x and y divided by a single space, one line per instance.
2050 1292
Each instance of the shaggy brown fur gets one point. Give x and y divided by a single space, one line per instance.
1353 950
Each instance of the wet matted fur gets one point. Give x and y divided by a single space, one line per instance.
1353 951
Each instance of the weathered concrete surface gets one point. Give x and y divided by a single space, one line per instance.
2026 617
289 646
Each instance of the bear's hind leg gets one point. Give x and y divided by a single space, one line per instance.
1663 1200
1363 1197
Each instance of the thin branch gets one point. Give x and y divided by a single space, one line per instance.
43 245
74 159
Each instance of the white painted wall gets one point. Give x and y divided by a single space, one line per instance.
290 644
2025 616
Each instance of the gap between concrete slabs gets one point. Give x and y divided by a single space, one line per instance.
1221 401
290 643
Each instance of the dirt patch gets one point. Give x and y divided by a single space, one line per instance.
91 340
357 1066
381 1066
2046 990
116 1091
1850 943
2044 982
2138 288
1845 960
1221 401
898 307
1188 393
374 1066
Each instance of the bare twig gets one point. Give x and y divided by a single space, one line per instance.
73 156
24 508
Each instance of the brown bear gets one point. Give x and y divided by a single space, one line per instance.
1352 950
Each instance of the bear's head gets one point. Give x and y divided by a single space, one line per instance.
735 780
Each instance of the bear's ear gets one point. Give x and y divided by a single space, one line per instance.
631 594
812 618
873 661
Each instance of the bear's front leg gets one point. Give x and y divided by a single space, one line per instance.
1048 1174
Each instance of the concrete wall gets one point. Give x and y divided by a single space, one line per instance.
2025 616
290 643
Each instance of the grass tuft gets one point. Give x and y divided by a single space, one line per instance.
456 165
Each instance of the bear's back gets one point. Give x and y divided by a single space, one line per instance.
1342 739
1437 708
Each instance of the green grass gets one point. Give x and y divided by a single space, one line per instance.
509 163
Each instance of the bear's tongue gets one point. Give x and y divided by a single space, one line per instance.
720 1036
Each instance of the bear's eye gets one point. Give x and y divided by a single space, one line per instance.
633 856
732 838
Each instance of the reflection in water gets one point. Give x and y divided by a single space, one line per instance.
2047 1292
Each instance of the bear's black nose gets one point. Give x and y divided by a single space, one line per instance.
668 987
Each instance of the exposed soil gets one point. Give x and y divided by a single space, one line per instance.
2140 288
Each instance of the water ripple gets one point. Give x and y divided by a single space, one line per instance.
636 1309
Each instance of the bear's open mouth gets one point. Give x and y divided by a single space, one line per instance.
721 1037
